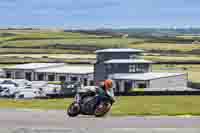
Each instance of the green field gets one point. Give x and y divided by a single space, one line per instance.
51 39
193 71
173 58
41 40
58 56
166 47
32 45
26 46
136 105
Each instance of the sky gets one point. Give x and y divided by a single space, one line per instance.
100 13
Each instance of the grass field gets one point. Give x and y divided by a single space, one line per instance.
44 39
20 39
166 46
59 56
193 71
39 51
136 105
169 58
189 36
25 46
87 42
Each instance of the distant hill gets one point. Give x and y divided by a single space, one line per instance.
159 32
142 32
99 32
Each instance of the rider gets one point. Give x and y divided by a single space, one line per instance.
105 90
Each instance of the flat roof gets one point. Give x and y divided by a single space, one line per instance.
34 65
127 61
143 76
119 50
74 69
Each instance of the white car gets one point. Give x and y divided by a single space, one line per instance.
27 93
14 83
51 89
10 87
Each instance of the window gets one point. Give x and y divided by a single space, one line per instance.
115 66
85 81
19 75
28 76
8 75
141 68
91 83
40 76
132 68
142 85
74 79
62 78
100 57
134 56
109 66
51 77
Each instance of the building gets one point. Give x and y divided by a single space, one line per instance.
124 66
51 72
2 74
129 70
100 69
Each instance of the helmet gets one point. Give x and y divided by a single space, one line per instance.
108 84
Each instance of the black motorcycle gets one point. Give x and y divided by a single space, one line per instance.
87 103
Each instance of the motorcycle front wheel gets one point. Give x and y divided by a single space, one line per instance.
73 110
102 109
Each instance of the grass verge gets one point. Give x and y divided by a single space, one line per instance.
137 105
193 71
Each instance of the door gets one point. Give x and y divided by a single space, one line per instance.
40 76
51 77
117 89
128 85
8 75
142 85
85 82
28 76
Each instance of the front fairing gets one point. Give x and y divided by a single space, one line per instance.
88 105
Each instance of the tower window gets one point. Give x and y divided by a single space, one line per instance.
132 68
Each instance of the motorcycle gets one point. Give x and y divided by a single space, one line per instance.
87 103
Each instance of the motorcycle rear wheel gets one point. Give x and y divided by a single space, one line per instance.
73 110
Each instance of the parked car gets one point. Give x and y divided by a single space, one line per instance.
1 81
70 88
52 89
10 87
27 93
39 84
11 83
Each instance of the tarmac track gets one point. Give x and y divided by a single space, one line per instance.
58 119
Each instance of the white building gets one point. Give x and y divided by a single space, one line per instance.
2 74
51 72
129 71
151 80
